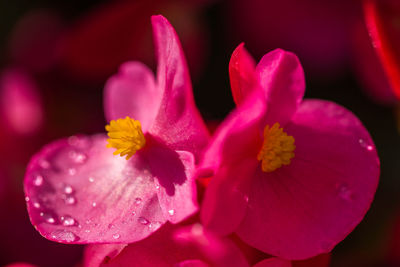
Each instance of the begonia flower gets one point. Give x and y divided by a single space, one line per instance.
292 178
170 246
79 192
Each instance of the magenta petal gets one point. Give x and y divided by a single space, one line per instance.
307 207
175 182
242 73
238 136
273 262
192 263
95 255
132 92
282 77
226 197
177 107
79 192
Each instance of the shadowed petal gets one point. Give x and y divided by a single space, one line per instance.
282 77
79 192
273 262
242 74
177 106
95 255
132 92
307 207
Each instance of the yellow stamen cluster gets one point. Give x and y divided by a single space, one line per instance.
277 149
126 136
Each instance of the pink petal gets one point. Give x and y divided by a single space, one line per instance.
177 108
95 255
242 73
237 137
20 264
282 77
79 192
175 182
307 207
226 197
192 263
273 262
132 92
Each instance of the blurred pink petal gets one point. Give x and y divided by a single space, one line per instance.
171 246
20 264
274 262
291 212
95 255
79 192
21 105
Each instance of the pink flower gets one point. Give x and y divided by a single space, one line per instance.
170 246
291 177
79 192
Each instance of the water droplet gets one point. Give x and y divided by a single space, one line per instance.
27 199
143 221
116 236
370 148
91 179
345 192
366 145
68 189
138 200
111 226
87 231
64 235
68 220
157 186
71 171
38 180
36 205
70 200
155 225
47 217
171 212
134 213
78 157
94 204
44 164
88 221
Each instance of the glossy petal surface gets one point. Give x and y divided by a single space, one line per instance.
282 78
307 207
242 74
132 92
177 105
81 193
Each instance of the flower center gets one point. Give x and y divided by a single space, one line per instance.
126 136
277 148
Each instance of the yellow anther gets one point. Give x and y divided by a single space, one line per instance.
126 136
277 149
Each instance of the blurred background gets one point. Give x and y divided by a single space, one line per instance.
55 57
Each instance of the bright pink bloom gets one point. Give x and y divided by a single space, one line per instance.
301 209
185 246
79 192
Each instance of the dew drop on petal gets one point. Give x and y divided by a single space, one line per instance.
344 192
143 221
70 200
68 189
36 205
27 199
78 157
68 220
44 164
171 212
91 179
138 200
38 180
47 217
64 235
71 171
111 226
116 236
94 204
134 213
155 225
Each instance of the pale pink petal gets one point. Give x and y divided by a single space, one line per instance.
174 173
79 192
132 92
282 77
242 74
237 137
178 122
307 207
95 255
227 195
273 262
